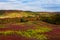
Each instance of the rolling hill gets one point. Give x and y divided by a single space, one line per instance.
27 25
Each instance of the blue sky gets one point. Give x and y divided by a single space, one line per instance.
30 5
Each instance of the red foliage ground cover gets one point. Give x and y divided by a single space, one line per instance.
53 35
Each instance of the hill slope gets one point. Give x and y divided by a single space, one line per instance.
26 25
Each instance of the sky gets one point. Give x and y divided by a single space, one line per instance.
30 5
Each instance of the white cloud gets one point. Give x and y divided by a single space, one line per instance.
34 5
17 6
12 0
